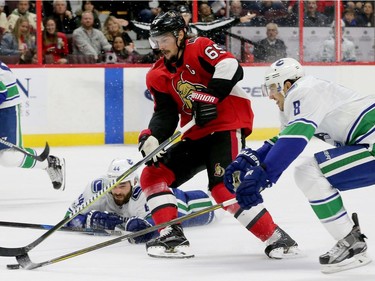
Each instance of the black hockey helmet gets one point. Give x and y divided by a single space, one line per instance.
170 21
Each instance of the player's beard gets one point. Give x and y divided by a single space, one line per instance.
121 199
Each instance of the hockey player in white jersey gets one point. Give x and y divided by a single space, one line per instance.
10 131
125 207
308 106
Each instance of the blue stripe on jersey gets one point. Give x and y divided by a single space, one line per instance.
303 120
281 155
114 105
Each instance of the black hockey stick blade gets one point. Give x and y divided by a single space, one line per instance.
13 252
25 262
98 232
41 157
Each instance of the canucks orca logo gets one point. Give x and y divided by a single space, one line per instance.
184 89
279 62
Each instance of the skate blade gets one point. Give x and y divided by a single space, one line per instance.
179 252
354 262
279 253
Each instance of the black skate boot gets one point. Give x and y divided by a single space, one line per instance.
349 252
171 243
281 245
56 172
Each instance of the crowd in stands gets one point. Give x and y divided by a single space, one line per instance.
101 29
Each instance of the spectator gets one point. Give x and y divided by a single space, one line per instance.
88 6
124 53
205 13
22 10
148 14
367 16
236 9
350 18
19 41
3 19
64 18
274 11
88 40
271 48
112 27
313 17
54 43
347 47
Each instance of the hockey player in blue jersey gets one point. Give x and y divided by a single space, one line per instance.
310 106
10 131
126 207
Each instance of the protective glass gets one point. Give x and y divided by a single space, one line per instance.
162 40
270 90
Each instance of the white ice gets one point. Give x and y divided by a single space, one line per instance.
223 250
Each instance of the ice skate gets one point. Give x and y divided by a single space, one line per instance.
56 172
348 253
281 245
171 243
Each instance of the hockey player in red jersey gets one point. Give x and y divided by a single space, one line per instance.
197 79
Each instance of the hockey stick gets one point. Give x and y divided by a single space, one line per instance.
25 262
41 157
99 232
12 252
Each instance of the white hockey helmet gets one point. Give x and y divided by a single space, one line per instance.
118 167
280 71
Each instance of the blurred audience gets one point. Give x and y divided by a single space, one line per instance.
64 18
205 13
112 27
88 40
55 44
19 41
367 14
124 54
88 6
312 16
347 47
3 18
22 10
271 48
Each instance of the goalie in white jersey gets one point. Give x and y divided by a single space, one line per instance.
310 106
10 131
125 207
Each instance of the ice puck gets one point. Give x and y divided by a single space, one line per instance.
13 266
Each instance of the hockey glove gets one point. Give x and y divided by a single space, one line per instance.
236 171
103 220
248 193
135 224
204 107
147 143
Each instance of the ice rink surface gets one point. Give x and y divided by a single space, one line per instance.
224 250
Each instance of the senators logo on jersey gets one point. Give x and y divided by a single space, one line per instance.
185 89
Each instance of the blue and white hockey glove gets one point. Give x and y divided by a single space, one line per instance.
103 220
248 193
236 171
135 224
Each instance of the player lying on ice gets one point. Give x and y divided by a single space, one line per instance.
125 206
311 106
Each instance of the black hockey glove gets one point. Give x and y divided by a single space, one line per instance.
204 107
